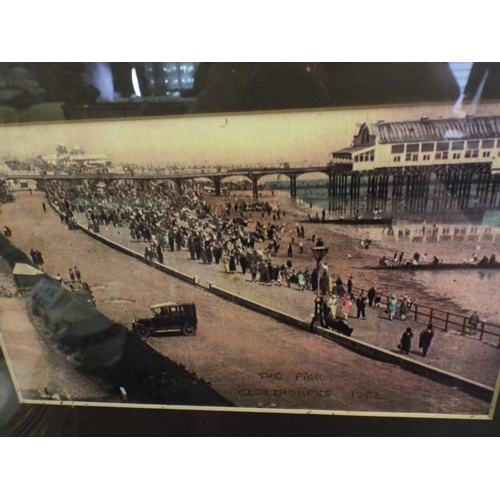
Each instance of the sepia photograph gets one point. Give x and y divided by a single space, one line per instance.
329 261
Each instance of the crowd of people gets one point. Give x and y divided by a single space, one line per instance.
251 239
37 258
166 221
75 274
156 214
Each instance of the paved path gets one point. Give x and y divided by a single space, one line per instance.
468 357
248 358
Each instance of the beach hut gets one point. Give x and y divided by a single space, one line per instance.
26 276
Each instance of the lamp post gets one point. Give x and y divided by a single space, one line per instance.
319 253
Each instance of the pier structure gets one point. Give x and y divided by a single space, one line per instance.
416 183
443 160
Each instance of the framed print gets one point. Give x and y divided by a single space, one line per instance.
330 262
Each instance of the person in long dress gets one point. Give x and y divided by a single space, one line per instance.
225 262
301 281
391 307
232 263
405 344
279 279
346 304
403 310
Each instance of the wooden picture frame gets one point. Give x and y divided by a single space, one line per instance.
260 325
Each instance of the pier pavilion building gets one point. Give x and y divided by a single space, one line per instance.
423 144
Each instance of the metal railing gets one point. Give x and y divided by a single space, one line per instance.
444 320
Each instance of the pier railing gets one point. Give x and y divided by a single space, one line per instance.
444 320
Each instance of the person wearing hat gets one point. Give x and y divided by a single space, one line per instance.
301 280
371 296
346 305
324 283
391 306
360 304
405 344
403 309
349 285
332 304
426 338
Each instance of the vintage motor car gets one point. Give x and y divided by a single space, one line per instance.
166 318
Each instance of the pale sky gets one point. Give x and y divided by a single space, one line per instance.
269 139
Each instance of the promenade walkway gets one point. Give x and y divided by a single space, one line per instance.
450 351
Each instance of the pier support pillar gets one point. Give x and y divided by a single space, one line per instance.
293 185
178 182
255 190
216 180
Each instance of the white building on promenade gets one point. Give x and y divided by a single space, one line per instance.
75 158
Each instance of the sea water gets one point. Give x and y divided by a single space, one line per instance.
416 209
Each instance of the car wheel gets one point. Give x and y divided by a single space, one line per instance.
188 330
142 331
